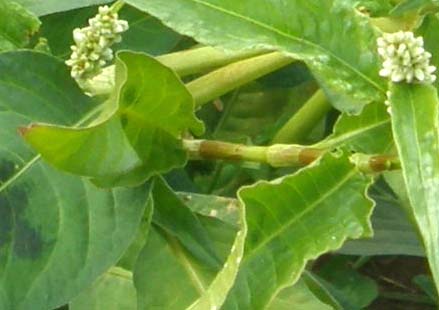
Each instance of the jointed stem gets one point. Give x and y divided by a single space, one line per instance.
280 155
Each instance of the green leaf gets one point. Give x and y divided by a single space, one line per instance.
413 6
426 283
428 31
52 6
113 291
297 297
156 38
142 138
170 273
352 290
295 219
340 51
394 234
415 129
49 220
17 25
370 132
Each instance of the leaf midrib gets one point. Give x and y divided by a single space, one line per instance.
297 217
190 270
286 35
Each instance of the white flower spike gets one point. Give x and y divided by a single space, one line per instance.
92 49
404 58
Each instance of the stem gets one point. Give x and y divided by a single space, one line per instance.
221 81
183 63
303 121
203 59
279 155
117 6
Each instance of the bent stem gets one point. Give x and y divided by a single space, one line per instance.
280 155
303 121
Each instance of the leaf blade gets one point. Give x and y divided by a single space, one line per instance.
415 125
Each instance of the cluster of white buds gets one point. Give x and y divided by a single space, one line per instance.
405 58
92 49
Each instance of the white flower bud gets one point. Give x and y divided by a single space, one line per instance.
404 58
92 49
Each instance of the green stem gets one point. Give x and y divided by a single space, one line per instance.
203 59
183 63
304 120
279 155
221 81
117 6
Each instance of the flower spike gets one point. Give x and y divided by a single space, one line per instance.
405 59
92 49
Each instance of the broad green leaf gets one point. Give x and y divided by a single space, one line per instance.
17 25
143 136
58 232
170 274
156 39
113 291
370 132
46 7
295 219
334 40
415 129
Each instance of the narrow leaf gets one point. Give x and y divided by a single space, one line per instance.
415 129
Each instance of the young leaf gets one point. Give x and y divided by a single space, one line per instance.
17 25
339 51
293 220
58 232
170 273
415 129
143 136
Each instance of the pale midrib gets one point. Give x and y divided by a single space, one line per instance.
430 231
178 251
297 217
286 35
